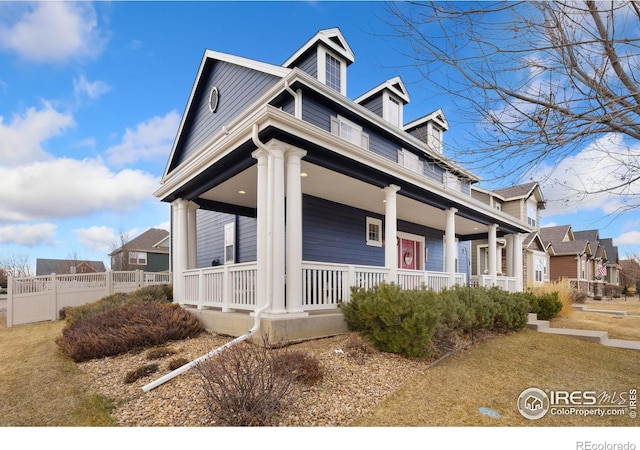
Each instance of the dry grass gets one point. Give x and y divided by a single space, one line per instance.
618 327
563 289
41 387
493 373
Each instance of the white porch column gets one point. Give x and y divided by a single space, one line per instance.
492 253
517 261
294 231
510 255
261 227
181 249
278 235
450 244
192 234
391 233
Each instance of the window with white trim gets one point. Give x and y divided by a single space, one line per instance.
434 137
538 269
349 131
392 110
230 243
374 232
138 258
332 74
332 70
410 160
531 215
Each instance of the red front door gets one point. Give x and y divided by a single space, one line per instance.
409 254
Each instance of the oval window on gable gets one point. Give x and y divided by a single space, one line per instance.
213 99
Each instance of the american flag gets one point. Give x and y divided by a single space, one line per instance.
603 271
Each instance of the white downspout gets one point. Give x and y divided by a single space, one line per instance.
258 312
297 104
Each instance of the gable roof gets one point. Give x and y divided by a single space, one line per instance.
149 241
571 248
394 85
611 251
48 266
436 116
332 38
556 234
592 236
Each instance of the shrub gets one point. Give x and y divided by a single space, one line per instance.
159 352
578 296
244 385
303 367
394 320
176 363
423 323
129 327
159 294
141 372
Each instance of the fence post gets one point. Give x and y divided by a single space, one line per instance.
53 292
109 281
10 301
139 278
227 289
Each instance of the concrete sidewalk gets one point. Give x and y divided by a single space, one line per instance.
599 337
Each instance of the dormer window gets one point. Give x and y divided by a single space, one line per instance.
392 110
332 71
434 137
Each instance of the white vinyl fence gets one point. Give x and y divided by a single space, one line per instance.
38 299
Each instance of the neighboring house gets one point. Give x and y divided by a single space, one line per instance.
285 193
572 258
149 252
611 274
523 202
67 266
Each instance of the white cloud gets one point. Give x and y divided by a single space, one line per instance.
21 139
628 238
28 235
101 239
67 188
150 140
581 182
93 90
54 31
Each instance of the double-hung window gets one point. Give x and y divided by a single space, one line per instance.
333 75
138 258
349 131
374 232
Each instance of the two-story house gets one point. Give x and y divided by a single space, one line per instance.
570 257
148 251
285 193
523 202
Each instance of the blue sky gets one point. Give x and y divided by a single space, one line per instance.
91 95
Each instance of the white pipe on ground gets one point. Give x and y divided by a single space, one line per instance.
258 312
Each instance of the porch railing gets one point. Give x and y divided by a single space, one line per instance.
324 285
226 287
505 283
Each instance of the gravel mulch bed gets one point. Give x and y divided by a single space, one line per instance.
353 384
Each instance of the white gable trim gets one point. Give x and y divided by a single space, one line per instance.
325 36
394 85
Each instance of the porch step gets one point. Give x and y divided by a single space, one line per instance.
542 326
621 343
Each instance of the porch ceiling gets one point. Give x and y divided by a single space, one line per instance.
320 182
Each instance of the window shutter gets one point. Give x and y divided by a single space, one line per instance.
335 126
